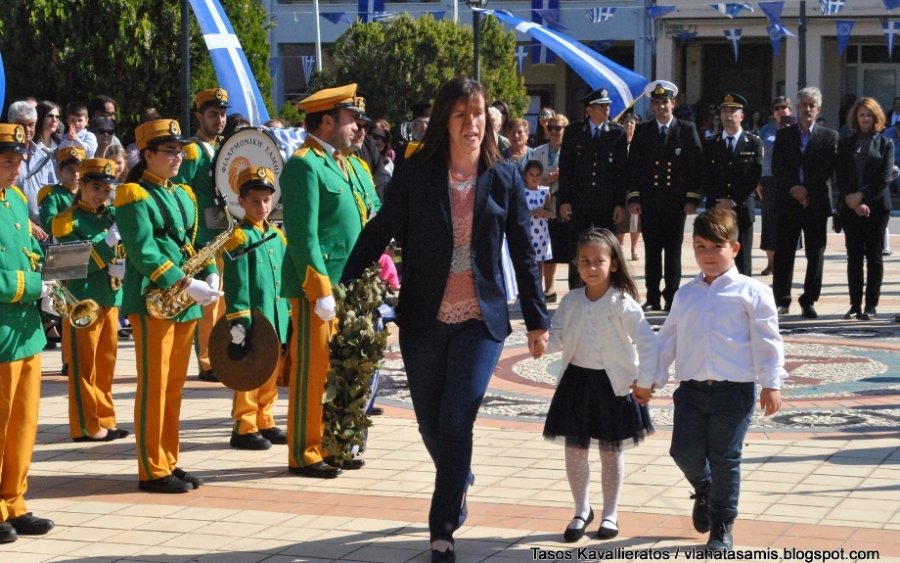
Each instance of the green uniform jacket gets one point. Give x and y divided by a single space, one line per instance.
194 171
370 196
20 285
81 223
253 280
52 200
323 216
152 256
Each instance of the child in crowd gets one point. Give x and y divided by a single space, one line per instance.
540 206
607 347
92 349
722 334
76 129
59 197
252 282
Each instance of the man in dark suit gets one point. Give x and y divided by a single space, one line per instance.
662 188
591 165
803 162
732 166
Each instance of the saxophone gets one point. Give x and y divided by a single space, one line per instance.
169 303
115 283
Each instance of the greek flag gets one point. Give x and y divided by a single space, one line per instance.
521 55
731 9
624 85
891 29
337 17
309 62
733 36
772 10
369 8
597 15
659 11
831 7
843 28
540 54
232 70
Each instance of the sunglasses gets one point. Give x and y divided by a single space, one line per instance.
377 137
554 128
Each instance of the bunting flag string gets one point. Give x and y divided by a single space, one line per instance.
597 15
369 8
731 9
831 7
521 55
540 54
654 12
337 17
309 62
891 4
844 28
733 36
891 30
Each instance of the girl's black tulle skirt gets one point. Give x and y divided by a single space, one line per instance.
585 408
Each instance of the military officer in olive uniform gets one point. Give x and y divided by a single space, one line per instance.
324 212
591 167
732 166
210 107
662 185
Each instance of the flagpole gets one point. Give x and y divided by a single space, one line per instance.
185 67
318 36
631 105
801 47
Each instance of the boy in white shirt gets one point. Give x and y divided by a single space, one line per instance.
76 129
722 334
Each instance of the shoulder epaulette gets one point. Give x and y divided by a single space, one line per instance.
301 152
309 144
19 193
237 240
362 163
64 223
189 191
191 151
280 234
130 193
43 193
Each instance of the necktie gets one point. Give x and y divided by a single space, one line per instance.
730 142
663 131
597 130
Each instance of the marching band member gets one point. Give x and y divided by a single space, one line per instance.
58 197
92 350
158 224
21 342
252 280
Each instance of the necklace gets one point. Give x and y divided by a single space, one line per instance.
459 176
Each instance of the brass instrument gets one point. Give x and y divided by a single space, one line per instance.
168 303
81 314
114 282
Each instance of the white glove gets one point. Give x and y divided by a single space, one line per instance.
112 236
116 269
46 288
325 308
47 306
202 293
213 281
238 334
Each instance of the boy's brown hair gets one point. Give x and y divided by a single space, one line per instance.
716 226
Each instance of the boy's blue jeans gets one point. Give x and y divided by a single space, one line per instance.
448 369
710 422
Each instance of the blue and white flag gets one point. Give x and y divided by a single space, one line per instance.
540 54
733 36
228 59
624 85
2 83
309 63
521 55
597 15
891 30
337 17
772 10
368 8
844 28
438 15
731 9
891 4
659 11
831 7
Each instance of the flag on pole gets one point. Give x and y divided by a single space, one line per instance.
624 85
891 29
228 59
521 55
731 9
831 7
337 17
733 36
597 15
540 54
659 11
309 62
368 8
844 29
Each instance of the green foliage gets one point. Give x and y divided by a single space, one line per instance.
290 114
356 349
127 49
405 61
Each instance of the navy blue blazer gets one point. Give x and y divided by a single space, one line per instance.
416 211
877 178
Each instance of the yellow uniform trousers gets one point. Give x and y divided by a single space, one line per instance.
20 393
252 410
163 351
93 354
211 314
309 350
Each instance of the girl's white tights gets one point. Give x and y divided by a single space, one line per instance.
612 475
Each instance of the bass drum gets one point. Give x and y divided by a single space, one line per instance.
242 149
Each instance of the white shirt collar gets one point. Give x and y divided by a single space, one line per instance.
667 125
328 148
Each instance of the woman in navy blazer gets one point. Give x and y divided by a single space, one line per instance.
450 352
865 162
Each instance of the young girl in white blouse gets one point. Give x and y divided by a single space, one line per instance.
607 347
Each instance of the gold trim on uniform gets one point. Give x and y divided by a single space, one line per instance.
245 314
20 287
130 193
99 261
162 269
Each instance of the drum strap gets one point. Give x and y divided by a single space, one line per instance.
168 228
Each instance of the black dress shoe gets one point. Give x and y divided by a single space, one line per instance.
575 534
194 482
784 310
320 470
167 484
351 464
251 441
608 530
809 312
121 433
274 435
7 533
651 306
110 436
550 297
700 514
375 411
208 376
720 537
448 556
854 313
868 315
30 525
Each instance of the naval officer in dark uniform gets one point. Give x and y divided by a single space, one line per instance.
732 166
591 169
662 187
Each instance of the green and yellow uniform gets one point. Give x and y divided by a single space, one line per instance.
52 200
253 281
91 350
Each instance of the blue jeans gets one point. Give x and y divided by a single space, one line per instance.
708 432
448 368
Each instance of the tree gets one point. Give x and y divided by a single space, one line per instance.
405 61
126 49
